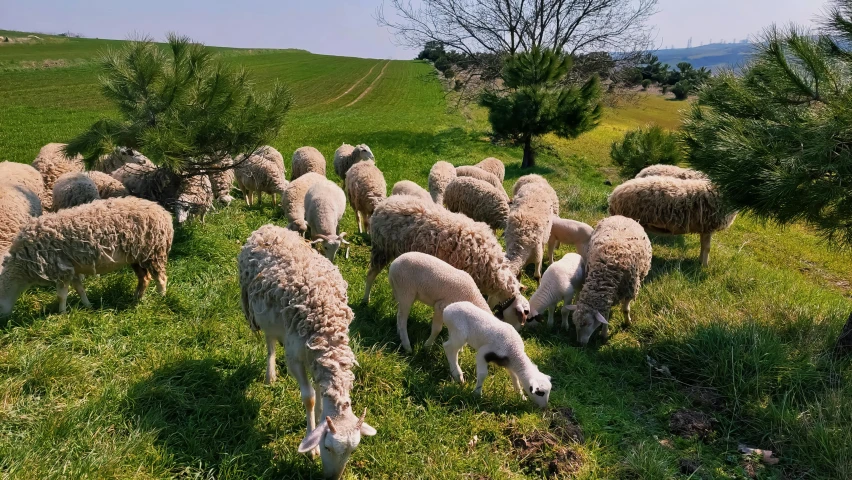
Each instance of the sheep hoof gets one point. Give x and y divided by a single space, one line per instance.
477 392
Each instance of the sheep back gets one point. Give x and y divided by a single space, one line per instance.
478 200
72 189
325 204
52 164
118 158
346 155
365 187
662 170
293 199
478 173
527 225
263 171
108 187
14 173
407 187
307 159
18 204
544 189
195 194
494 166
440 175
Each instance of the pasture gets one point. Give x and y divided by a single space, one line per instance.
173 387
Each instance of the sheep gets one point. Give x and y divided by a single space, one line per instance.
478 173
108 187
417 276
72 189
403 224
545 190
325 204
346 155
668 205
51 163
262 172
18 204
407 187
478 200
493 166
618 259
195 196
494 342
307 159
94 238
222 180
560 282
440 175
24 175
568 231
662 170
118 158
293 200
298 298
528 228
365 188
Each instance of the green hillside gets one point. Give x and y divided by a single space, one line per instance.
714 56
173 387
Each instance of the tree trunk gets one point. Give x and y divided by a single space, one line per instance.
844 343
529 154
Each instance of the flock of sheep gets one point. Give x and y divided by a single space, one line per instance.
440 245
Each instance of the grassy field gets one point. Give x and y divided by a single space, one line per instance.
173 387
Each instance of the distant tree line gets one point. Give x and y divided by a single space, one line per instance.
681 81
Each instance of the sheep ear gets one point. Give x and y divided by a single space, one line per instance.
312 439
600 318
522 288
570 307
367 430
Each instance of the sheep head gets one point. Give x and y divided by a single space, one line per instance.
586 321
331 244
336 439
513 311
364 153
538 388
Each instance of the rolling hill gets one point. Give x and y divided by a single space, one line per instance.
714 56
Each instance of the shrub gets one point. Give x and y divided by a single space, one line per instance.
442 64
681 90
644 147
646 83
665 89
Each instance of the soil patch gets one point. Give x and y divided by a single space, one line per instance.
564 425
705 397
691 423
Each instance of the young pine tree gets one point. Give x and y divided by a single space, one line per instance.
536 102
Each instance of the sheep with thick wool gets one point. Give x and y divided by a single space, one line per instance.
52 164
416 276
293 200
94 238
480 174
478 200
18 204
561 281
346 156
528 228
440 175
618 259
325 204
668 205
147 181
24 175
262 172
118 158
404 224
108 187
568 231
493 166
407 187
307 159
297 298
663 170
365 188
222 177
72 189
494 342
544 189
195 197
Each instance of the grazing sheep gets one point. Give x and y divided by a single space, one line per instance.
478 200
407 187
262 172
662 170
494 342
222 181
298 298
72 189
94 238
545 190
493 166
18 204
618 259
307 159
195 197
671 206
417 276
293 200
108 187
346 156
403 224
528 228
24 175
568 231
478 173
560 282
52 164
440 175
118 158
325 204
365 188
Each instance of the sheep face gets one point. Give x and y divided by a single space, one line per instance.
331 244
181 212
538 389
226 200
517 312
586 321
364 153
336 441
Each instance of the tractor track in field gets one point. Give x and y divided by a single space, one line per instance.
370 87
353 85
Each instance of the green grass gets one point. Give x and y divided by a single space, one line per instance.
173 386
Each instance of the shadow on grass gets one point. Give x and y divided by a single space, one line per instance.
514 171
203 419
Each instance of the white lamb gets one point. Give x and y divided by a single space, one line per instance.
494 342
568 231
561 281
325 204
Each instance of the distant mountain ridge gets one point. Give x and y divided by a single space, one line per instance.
714 56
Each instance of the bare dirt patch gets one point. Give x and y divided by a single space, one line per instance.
548 452
564 425
691 423
705 397
44 64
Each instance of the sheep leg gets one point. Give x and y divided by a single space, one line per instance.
437 325
516 382
298 371
551 246
452 350
539 257
77 282
705 248
481 371
248 196
625 309
402 322
144 278
161 279
367 219
565 324
62 296
368 284
360 221
259 201
274 199
271 375
550 316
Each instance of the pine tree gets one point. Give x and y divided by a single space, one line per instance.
776 139
536 101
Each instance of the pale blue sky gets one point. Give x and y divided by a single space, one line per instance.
347 27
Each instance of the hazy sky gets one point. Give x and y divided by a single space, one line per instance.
347 27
